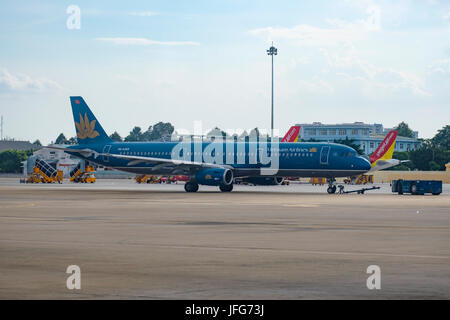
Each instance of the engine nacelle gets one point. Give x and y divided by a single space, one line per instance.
214 177
264 181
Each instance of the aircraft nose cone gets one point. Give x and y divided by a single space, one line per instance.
365 164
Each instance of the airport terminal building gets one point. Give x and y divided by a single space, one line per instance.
368 136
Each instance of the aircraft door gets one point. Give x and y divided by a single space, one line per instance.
106 149
324 153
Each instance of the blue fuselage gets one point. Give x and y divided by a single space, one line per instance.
244 158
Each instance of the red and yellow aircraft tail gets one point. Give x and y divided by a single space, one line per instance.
385 150
292 134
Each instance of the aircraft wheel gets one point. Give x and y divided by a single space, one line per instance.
399 188
331 190
226 187
191 186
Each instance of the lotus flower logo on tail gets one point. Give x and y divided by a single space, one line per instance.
86 129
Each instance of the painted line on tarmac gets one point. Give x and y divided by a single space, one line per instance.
338 253
317 252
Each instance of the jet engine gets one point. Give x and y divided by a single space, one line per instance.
214 177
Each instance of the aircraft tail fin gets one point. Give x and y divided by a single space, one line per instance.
292 134
87 127
386 148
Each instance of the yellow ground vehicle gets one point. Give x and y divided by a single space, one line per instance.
319 181
361 179
44 173
364 179
86 176
144 178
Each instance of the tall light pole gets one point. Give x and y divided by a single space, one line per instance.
271 52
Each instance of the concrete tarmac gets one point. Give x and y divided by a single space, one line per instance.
158 242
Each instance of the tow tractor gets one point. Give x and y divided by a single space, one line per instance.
417 186
358 191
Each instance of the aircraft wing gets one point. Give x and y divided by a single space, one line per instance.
184 163
85 152
385 164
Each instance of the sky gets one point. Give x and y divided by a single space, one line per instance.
140 62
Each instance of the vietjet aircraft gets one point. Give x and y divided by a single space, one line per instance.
212 163
292 134
381 158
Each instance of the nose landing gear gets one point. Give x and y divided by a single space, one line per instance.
331 185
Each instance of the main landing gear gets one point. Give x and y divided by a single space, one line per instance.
331 185
191 186
226 187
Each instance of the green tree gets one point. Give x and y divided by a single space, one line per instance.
115 136
135 135
434 166
38 143
421 157
61 139
401 155
433 153
216 132
404 166
442 138
159 131
10 160
254 135
72 140
351 143
404 130
400 167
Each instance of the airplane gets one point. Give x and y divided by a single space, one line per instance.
212 163
292 134
381 158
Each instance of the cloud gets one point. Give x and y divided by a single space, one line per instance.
441 67
338 60
144 13
316 85
146 42
126 78
375 80
22 82
340 31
